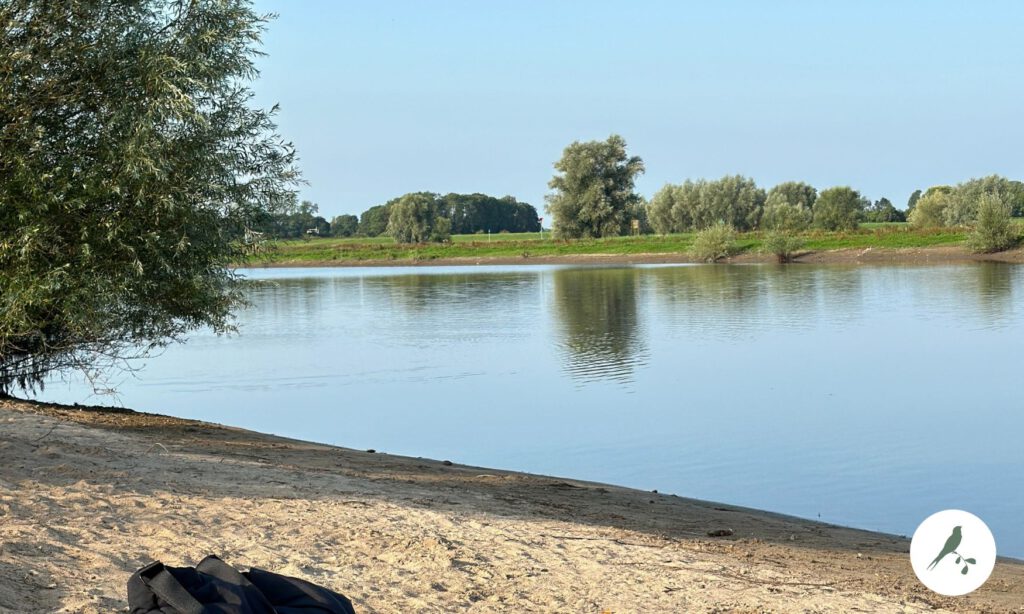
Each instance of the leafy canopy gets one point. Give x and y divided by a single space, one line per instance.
734 200
593 190
839 208
415 218
993 231
131 161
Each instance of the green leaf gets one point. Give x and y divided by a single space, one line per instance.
964 570
958 560
971 561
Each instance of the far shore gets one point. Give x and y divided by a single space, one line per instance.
88 495
943 254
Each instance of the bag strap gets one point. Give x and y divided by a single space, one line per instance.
166 587
213 566
216 568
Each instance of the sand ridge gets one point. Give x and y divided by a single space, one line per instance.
88 496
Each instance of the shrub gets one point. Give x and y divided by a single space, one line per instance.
781 244
715 242
993 231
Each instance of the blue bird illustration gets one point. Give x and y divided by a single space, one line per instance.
952 543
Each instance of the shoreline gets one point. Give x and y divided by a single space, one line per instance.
901 256
88 495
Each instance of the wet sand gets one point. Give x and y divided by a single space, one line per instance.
87 496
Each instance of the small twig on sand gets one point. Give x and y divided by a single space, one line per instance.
604 539
47 433
735 576
156 445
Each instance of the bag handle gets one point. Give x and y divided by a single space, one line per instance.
166 586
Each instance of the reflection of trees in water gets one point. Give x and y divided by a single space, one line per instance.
839 291
300 299
472 292
994 291
598 323
743 301
460 306
982 293
978 295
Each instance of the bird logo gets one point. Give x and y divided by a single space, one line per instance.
947 570
952 543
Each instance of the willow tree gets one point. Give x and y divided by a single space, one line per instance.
789 206
593 190
131 162
414 218
839 208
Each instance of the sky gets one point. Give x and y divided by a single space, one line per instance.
384 98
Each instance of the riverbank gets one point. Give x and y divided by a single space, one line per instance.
908 256
895 244
87 496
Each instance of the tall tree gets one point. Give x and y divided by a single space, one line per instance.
882 210
930 210
839 208
414 219
789 206
912 201
374 221
734 200
344 225
593 190
131 161
793 193
659 210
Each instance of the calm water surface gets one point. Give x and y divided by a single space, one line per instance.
867 396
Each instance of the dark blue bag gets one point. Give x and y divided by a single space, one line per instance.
214 587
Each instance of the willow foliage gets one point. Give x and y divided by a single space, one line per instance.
131 161
593 190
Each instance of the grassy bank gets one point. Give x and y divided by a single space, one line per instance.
531 245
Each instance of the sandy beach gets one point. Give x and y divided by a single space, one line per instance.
88 496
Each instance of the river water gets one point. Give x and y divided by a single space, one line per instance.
864 396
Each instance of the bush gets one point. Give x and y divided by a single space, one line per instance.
782 245
715 243
993 231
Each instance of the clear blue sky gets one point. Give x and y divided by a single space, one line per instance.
384 98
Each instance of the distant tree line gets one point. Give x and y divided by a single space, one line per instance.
465 214
593 196
294 221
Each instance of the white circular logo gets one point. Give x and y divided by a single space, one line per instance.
953 552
